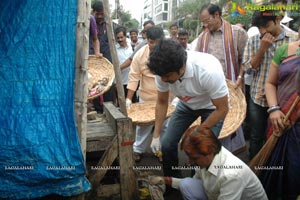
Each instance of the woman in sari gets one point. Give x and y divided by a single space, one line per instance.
282 88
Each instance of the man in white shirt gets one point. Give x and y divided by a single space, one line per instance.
197 79
219 174
124 51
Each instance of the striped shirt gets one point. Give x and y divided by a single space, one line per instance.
216 44
257 91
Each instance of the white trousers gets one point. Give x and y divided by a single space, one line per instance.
143 134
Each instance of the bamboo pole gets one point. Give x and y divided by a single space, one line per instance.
81 80
115 60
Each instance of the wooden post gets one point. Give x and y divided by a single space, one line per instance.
81 80
121 145
115 59
127 175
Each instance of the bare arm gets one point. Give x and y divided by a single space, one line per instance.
218 114
125 64
96 46
277 116
271 85
160 111
239 80
130 94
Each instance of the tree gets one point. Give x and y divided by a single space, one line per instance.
125 18
190 8
244 19
188 13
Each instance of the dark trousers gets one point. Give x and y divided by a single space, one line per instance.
246 125
179 122
107 96
258 119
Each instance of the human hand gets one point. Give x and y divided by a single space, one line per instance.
267 40
239 82
155 145
156 180
128 103
99 55
277 120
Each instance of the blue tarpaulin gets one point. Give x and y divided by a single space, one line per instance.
40 152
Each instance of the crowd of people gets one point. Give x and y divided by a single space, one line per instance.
265 64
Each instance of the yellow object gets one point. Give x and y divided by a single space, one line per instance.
158 154
144 193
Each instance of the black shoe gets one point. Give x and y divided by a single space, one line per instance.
137 156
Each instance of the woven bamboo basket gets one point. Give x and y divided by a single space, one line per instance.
98 70
237 110
236 114
143 114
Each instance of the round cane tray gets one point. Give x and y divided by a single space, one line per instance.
143 114
100 75
236 113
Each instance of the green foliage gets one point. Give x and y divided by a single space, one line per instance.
243 19
191 8
125 18
188 12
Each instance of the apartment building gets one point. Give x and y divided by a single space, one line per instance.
160 11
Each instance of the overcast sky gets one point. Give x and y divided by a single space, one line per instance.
135 7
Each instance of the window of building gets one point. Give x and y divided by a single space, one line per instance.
165 16
159 17
166 7
158 9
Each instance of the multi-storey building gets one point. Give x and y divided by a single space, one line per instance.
160 11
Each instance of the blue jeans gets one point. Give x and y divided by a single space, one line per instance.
258 120
179 122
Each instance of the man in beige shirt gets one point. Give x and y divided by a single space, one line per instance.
217 41
141 78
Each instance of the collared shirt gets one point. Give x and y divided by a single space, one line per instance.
230 178
133 45
140 73
216 44
138 47
123 54
257 91
201 82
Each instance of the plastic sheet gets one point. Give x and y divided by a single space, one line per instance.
40 152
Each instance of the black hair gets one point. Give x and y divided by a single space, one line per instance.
120 29
211 8
134 30
183 33
261 19
97 6
173 25
155 33
148 22
167 56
